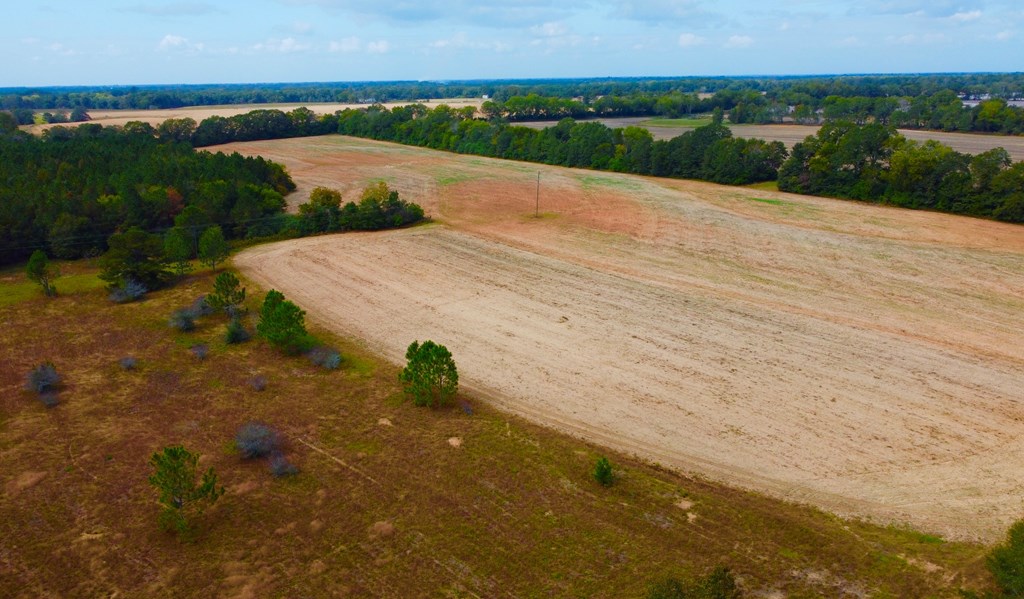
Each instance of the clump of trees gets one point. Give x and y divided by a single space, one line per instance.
1006 562
430 377
379 207
182 495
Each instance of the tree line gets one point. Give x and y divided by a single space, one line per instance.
874 163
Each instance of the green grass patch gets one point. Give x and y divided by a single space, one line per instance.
769 201
680 123
765 186
597 181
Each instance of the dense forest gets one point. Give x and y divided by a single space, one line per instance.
69 190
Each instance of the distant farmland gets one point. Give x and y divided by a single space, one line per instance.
860 358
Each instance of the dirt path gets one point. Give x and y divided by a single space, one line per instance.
864 359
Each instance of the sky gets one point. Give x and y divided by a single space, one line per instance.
122 42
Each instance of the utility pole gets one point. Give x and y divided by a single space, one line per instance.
536 213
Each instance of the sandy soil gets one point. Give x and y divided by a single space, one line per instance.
968 143
864 359
198 113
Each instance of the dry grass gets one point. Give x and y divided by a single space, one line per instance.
510 512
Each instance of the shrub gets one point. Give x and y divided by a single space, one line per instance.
128 363
256 440
200 351
603 472
174 477
258 382
281 467
1006 562
236 332
129 291
719 584
430 376
43 379
201 307
182 320
325 357
49 399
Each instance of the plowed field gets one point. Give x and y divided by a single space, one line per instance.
864 359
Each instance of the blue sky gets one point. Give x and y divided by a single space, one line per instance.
63 42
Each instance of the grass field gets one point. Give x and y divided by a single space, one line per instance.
385 504
861 358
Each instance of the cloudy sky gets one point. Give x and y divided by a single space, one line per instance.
64 42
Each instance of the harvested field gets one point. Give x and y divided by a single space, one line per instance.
860 358
968 143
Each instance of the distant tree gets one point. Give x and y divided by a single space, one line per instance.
227 293
178 249
182 497
41 272
79 115
213 248
137 256
430 376
282 324
1006 562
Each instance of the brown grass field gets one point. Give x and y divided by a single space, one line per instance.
386 504
859 358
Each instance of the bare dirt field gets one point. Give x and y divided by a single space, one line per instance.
198 113
968 143
864 359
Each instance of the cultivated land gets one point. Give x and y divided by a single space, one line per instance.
968 143
859 358
391 500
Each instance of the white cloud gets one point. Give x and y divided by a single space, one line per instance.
689 40
849 42
346 45
739 41
172 41
1004 35
550 29
302 28
966 16
172 9
460 41
287 45
378 47
913 39
58 48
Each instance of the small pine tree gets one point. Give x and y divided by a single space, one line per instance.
213 249
182 497
603 472
41 272
282 324
178 249
430 376
226 292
